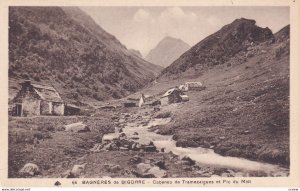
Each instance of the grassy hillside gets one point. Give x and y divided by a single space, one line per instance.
66 48
244 110
218 48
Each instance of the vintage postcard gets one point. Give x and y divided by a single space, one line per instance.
150 93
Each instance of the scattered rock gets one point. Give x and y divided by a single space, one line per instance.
249 54
134 138
161 164
222 138
114 118
29 169
122 136
186 143
135 146
123 149
114 168
188 168
205 172
188 161
135 160
149 148
97 147
113 147
106 146
135 133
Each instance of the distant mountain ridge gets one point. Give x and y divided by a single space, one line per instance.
167 51
65 48
219 47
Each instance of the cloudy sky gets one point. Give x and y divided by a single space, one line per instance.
141 28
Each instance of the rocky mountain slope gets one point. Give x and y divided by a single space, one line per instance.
136 52
219 47
167 51
65 48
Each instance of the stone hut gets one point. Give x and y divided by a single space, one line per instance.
171 96
36 99
197 86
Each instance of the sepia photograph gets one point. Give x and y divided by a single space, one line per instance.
146 92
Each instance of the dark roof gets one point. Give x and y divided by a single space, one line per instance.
169 92
47 93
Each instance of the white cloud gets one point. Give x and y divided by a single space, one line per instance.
213 21
147 30
142 15
176 13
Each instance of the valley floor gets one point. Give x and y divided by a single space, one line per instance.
57 151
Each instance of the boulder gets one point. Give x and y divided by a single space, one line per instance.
113 147
147 171
77 170
122 121
114 168
157 172
106 146
135 146
29 169
123 149
142 170
149 148
77 127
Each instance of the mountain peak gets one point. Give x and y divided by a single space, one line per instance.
167 51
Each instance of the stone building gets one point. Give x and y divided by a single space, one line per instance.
35 99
